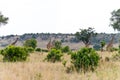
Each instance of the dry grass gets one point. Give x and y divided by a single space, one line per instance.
35 69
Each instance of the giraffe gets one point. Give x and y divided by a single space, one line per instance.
110 44
50 44
15 41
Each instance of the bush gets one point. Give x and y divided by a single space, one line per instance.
30 43
113 49
2 51
54 55
38 49
65 49
41 50
29 49
13 54
44 50
64 63
70 52
85 59
57 45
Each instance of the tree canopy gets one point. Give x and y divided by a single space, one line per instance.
3 19
31 43
85 35
115 20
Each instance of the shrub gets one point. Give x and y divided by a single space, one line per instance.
29 49
54 55
41 50
113 49
13 54
70 52
38 49
85 59
65 49
64 63
2 51
30 43
57 45
102 43
44 50
70 69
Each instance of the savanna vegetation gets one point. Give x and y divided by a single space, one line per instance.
30 62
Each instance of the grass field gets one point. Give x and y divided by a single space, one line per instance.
36 69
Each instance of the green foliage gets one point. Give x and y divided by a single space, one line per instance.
119 46
2 51
30 49
38 49
115 19
85 35
102 43
97 47
85 59
13 54
70 69
70 52
30 43
54 55
41 50
3 20
64 63
65 49
57 45
44 50
113 49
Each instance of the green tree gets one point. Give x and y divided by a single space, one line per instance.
3 20
30 43
115 20
57 45
85 35
102 43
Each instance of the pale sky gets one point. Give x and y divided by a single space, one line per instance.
56 16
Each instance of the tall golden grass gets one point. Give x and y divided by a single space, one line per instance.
36 69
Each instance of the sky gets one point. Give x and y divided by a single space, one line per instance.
56 16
